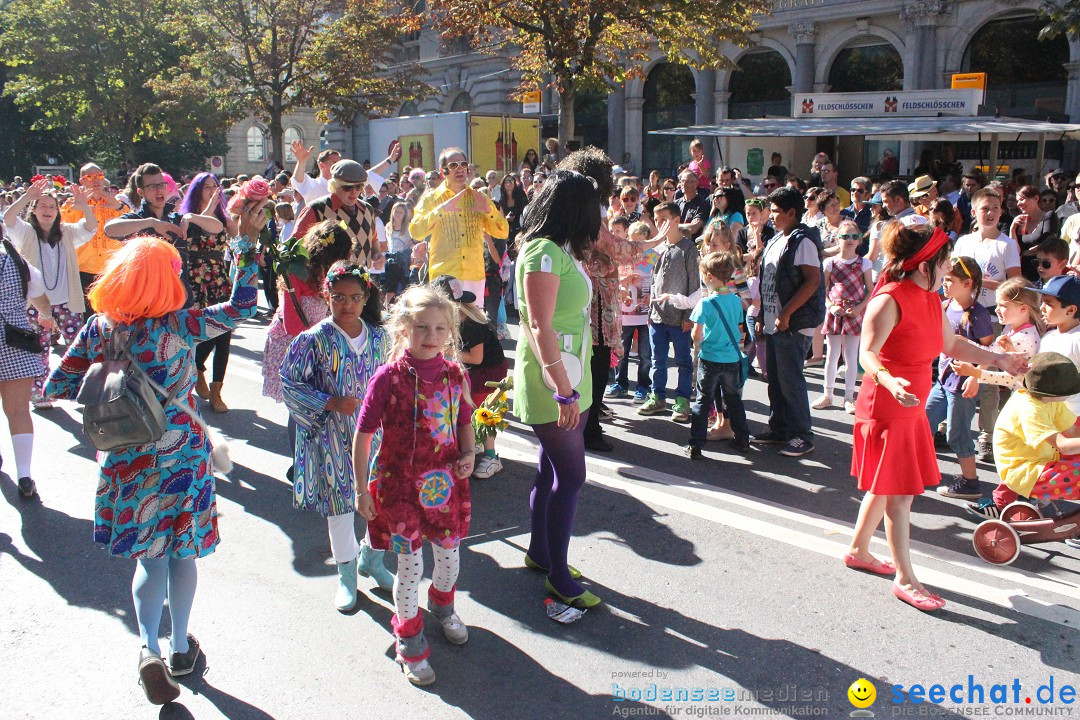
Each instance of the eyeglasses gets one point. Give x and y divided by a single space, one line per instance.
1044 264
156 186
963 265
668 188
850 236
339 298
350 187
457 165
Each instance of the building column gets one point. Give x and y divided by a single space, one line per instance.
1072 92
635 130
921 18
705 108
616 123
805 34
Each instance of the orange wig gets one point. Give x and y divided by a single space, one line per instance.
141 280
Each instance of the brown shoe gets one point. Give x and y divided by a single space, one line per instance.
201 388
154 677
216 403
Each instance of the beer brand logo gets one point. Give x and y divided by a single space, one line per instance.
890 104
808 106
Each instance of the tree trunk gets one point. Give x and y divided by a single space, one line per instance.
567 93
276 140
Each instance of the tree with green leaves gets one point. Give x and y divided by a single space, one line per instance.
1062 18
587 42
99 69
273 57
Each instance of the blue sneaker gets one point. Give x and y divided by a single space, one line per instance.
615 390
639 396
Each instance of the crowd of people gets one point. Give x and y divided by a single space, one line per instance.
388 295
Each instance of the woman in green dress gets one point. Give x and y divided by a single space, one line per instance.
552 385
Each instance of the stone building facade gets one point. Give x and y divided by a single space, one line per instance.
803 46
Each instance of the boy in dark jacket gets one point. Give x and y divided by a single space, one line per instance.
792 306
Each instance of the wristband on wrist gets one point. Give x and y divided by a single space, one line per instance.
567 399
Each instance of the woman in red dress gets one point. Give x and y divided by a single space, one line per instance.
893 455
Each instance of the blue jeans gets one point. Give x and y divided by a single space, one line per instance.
662 338
957 411
789 407
718 384
644 357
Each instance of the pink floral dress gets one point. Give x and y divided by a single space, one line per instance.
422 409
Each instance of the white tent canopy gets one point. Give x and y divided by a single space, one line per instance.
933 129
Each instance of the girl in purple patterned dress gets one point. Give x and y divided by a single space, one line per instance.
420 485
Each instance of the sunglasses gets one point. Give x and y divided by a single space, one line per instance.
538 180
850 236
457 165
668 188
339 298
89 177
350 187
858 190
1044 264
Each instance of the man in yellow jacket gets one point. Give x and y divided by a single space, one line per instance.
456 217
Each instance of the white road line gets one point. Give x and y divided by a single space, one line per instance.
605 473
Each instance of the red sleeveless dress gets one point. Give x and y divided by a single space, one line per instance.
893 451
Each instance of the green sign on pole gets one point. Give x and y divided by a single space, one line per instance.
755 161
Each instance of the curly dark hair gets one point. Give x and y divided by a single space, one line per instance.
591 162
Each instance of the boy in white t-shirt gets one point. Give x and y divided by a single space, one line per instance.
998 256
1060 308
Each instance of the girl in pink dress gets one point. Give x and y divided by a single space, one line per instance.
420 485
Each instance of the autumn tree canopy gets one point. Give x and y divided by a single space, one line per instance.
567 44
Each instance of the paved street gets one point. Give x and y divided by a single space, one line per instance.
722 574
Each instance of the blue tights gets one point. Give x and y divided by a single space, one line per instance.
554 498
158 578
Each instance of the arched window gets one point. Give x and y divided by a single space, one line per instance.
1025 75
463 101
760 86
408 109
256 144
292 134
669 102
871 66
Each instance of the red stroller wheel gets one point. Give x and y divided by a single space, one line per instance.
995 542
1019 511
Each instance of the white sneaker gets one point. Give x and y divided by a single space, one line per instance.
42 403
822 402
487 466
849 407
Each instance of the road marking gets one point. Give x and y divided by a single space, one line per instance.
609 474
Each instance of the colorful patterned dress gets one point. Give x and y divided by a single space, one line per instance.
323 363
158 500
207 271
281 333
417 496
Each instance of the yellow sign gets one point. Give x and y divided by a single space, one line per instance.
500 143
969 80
530 102
417 151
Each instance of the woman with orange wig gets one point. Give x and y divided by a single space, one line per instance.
155 502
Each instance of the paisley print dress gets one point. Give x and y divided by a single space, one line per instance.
158 500
323 363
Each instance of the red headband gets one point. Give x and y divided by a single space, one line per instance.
927 251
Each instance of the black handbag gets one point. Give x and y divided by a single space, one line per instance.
14 336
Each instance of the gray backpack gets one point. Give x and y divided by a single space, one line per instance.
121 408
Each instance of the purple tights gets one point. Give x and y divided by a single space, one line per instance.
554 497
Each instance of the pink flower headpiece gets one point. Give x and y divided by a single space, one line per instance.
254 189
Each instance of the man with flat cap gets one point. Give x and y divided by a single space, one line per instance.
343 205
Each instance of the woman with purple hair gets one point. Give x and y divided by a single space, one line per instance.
209 278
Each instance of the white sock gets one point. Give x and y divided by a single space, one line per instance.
23 444
447 567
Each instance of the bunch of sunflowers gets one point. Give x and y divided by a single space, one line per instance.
490 417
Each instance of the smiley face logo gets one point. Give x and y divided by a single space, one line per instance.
861 693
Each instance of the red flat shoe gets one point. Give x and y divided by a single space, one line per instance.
918 599
878 567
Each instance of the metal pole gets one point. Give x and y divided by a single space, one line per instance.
993 163
1040 156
